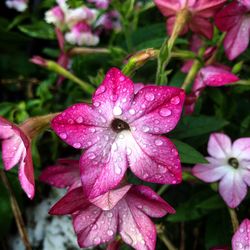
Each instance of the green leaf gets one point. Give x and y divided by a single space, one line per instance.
191 126
38 30
188 154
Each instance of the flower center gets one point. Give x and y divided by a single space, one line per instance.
119 125
233 162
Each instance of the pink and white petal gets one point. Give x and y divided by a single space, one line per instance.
138 87
26 173
94 226
245 174
156 110
241 149
62 175
241 237
71 202
232 188
109 200
146 200
219 145
201 26
210 172
6 129
237 38
168 8
114 95
135 228
154 158
103 166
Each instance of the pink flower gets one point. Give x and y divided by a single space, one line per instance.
200 11
212 76
241 238
121 128
110 21
234 19
125 210
55 16
16 149
100 4
229 163
19 5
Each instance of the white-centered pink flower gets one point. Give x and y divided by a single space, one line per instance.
200 12
241 238
121 129
234 19
55 16
229 163
125 211
19 5
16 149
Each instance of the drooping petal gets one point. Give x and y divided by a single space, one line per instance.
232 188
156 110
219 145
145 199
154 158
63 175
114 96
241 148
103 166
94 226
201 26
241 238
168 8
135 228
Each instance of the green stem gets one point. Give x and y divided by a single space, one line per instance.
234 219
162 189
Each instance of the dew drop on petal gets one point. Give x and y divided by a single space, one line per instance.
242 230
165 112
117 110
174 182
97 240
124 100
129 151
109 214
100 90
122 78
158 142
79 119
121 136
156 121
95 227
63 135
118 170
91 155
131 111
143 106
77 145
149 97
96 104
110 232
70 121
175 100
145 129
92 130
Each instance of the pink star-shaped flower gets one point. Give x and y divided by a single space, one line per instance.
229 163
234 19
16 149
241 238
125 210
121 128
199 13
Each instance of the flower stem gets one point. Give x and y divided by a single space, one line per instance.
162 189
164 238
85 51
234 219
16 211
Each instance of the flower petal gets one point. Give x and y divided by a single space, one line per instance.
241 237
94 226
154 158
202 26
156 110
241 148
219 145
232 188
168 8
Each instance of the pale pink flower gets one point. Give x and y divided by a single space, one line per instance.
121 128
234 19
200 12
19 5
16 149
124 210
209 76
229 163
55 16
241 238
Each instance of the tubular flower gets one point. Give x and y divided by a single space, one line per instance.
241 238
125 210
234 19
199 13
209 76
121 128
19 5
229 163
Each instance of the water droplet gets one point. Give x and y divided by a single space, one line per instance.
145 176
129 151
145 129
242 230
110 232
158 142
92 130
95 227
122 78
117 110
109 214
70 121
162 169
165 112
113 98
101 90
77 145
63 135
97 240
149 97
175 100
143 106
118 170
79 119
121 136
156 121
124 100
96 104
156 129
131 111
91 155
143 242
174 182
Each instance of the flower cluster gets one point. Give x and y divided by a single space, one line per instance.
82 24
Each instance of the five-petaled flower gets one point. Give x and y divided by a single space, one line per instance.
229 163
121 128
234 19
241 238
199 13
